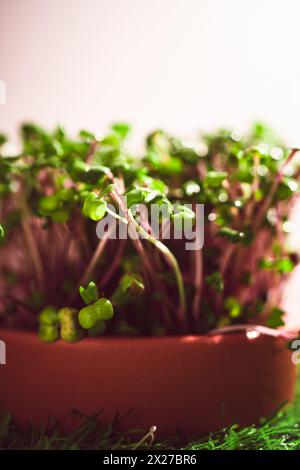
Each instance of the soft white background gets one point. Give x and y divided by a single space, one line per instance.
179 64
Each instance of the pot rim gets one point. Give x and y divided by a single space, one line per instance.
210 338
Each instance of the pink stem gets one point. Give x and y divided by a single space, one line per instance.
116 262
197 282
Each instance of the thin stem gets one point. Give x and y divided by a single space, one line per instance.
150 435
116 216
254 187
226 258
136 242
92 149
114 265
95 258
197 282
32 246
170 258
92 264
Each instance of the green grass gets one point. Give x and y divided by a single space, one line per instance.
282 432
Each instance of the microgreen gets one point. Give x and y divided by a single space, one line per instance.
275 318
94 207
97 310
90 293
70 284
70 329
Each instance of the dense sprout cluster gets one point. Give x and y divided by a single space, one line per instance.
55 272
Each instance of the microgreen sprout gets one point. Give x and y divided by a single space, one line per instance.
70 284
48 329
70 329
97 310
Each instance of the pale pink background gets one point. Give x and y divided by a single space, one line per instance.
179 64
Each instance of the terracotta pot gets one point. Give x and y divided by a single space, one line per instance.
195 383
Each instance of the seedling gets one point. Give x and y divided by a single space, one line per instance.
56 275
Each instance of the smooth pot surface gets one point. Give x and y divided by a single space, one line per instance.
195 383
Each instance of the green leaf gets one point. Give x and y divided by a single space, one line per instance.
136 196
215 178
86 135
90 174
111 140
122 129
183 216
282 265
233 306
276 318
216 281
108 189
154 183
104 309
48 316
60 216
90 293
48 333
285 266
284 191
70 330
48 204
94 207
266 263
233 235
130 285
182 221
65 194
154 196
87 317
3 139
1 232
